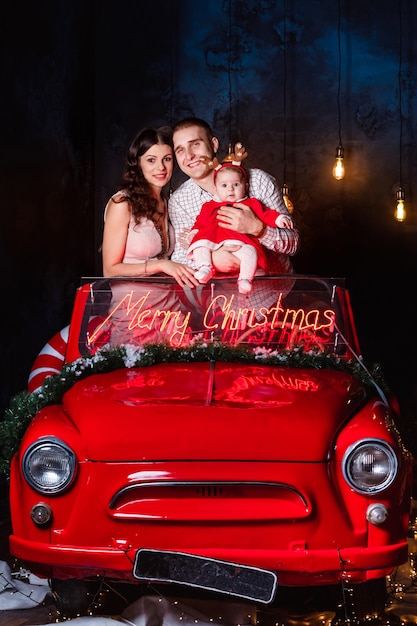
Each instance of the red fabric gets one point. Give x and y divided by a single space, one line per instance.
210 229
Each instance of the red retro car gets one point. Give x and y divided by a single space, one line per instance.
201 440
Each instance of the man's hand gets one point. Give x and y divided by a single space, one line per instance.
240 218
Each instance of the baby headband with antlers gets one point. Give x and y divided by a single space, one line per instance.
233 158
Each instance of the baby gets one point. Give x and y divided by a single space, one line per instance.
207 233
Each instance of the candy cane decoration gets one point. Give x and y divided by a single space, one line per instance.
49 360
52 356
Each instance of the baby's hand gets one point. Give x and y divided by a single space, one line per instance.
284 221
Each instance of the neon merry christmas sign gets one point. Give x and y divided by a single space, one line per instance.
222 316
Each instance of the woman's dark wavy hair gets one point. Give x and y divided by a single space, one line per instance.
134 185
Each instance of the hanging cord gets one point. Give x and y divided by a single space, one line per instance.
171 68
340 72
229 70
400 90
174 13
285 94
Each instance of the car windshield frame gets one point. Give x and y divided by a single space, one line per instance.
284 312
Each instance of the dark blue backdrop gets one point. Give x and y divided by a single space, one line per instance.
80 78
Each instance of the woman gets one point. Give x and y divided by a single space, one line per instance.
138 238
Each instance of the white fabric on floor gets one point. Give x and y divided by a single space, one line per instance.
151 610
18 594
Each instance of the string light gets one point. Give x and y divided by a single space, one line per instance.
400 212
339 166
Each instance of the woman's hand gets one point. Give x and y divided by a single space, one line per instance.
183 274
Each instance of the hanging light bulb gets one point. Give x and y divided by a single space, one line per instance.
339 166
400 213
286 198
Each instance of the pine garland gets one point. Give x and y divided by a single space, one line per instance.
24 405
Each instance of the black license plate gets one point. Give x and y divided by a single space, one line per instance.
242 581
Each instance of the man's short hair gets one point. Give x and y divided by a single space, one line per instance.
187 122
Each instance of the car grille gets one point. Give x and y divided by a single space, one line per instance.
205 501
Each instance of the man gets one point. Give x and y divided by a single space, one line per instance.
193 139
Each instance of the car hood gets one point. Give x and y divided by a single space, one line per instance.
211 411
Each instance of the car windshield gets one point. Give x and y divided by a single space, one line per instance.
281 313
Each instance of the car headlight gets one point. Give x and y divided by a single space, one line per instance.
49 466
369 466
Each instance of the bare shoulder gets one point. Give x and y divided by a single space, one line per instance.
117 208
